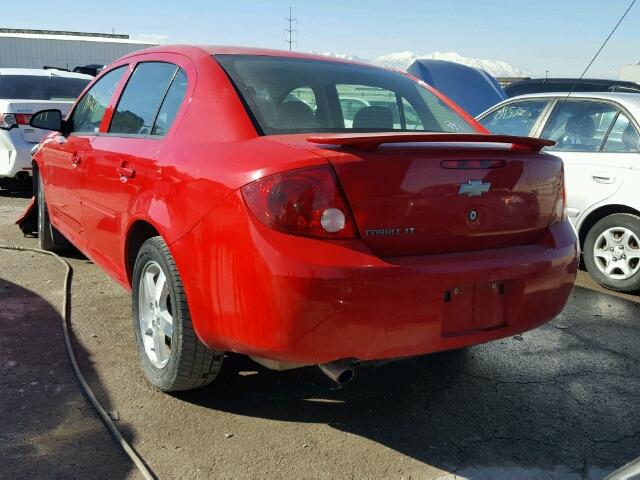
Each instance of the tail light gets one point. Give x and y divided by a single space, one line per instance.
8 121
304 202
559 213
23 118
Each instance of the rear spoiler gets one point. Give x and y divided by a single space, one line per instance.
371 141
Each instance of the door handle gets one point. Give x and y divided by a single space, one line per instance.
125 173
75 160
602 178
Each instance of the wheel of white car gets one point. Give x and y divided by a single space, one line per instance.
48 237
171 355
612 252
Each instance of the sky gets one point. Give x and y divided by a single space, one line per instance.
560 36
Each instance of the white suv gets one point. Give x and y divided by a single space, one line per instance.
597 138
25 91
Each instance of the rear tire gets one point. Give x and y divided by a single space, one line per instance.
48 237
171 355
612 252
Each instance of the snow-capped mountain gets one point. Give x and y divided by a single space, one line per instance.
403 60
342 56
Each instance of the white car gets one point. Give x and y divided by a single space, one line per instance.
597 138
24 91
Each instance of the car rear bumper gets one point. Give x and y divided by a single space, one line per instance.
260 292
15 154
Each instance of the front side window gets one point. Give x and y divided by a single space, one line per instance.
293 95
141 98
88 113
623 137
516 118
579 125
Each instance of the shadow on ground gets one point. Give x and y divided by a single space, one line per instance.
563 398
23 192
48 428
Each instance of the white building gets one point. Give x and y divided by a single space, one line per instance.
630 73
40 48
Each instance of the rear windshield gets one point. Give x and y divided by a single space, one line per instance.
292 95
27 87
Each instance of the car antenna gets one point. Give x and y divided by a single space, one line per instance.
600 49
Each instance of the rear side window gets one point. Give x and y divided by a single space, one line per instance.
517 118
170 104
295 95
142 97
579 125
88 113
623 137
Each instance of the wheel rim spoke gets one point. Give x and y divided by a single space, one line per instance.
161 289
611 266
158 345
166 323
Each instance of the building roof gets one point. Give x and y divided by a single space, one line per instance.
63 32
70 36
38 72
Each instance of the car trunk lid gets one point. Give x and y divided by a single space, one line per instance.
414 194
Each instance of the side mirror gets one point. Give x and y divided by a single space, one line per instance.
47 120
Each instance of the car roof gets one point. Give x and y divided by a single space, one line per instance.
41 72
596 81
620 97
630 101
236 50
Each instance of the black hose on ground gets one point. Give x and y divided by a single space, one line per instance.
106 419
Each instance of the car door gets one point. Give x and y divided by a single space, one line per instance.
518 117
64 157
123 154
594 171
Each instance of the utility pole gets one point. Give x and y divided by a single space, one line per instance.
290 31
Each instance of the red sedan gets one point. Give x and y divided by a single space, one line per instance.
301 210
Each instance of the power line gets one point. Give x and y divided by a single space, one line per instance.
290 31
601 48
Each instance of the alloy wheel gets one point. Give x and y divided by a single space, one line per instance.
155 314
617 253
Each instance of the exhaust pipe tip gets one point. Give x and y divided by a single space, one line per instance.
341 371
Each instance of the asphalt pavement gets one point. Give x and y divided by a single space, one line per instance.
561 401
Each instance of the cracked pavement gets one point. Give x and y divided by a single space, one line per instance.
559 402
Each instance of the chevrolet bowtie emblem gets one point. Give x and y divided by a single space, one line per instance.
474 188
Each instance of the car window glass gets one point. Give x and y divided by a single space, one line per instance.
297 108
303 94
579 125
411 117
141 98
291 95
90 109
623 136
41 87
358 97
517 118
170 104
